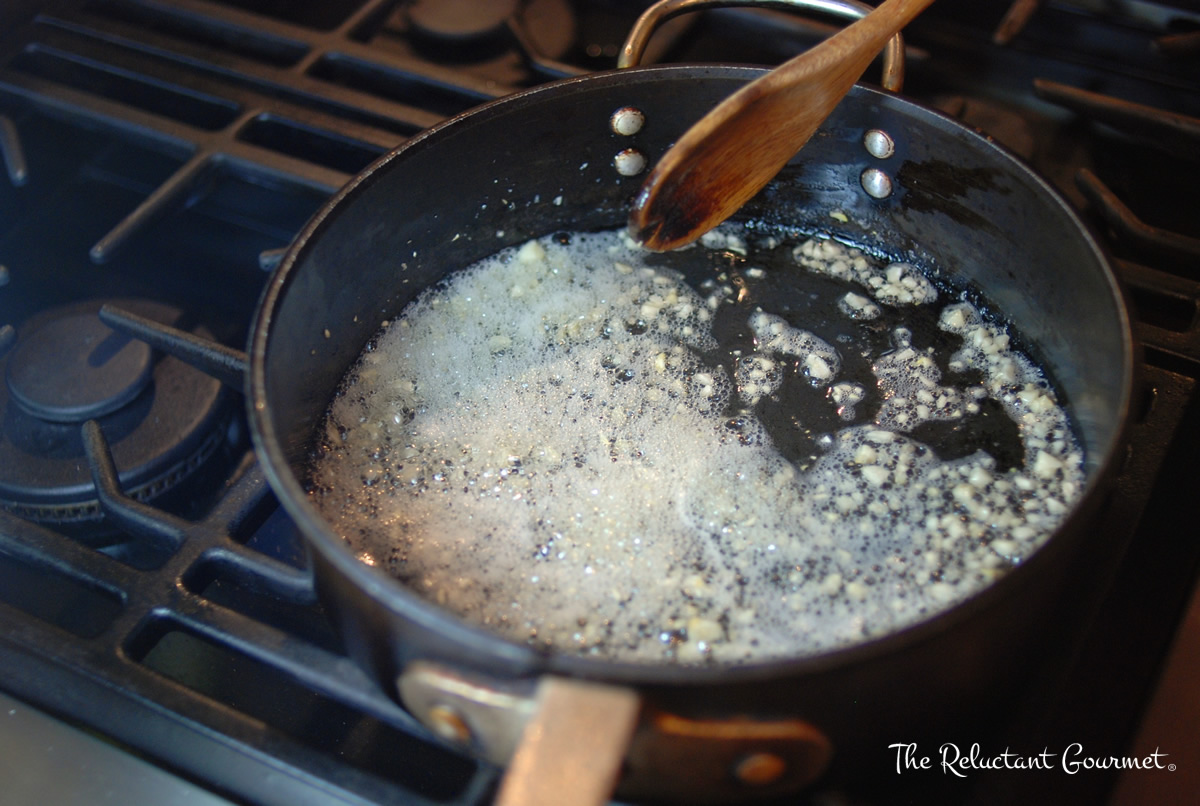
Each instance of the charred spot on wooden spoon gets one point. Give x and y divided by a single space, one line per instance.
645 234
670 226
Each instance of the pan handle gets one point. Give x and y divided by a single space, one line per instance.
558 735
575 743
651 18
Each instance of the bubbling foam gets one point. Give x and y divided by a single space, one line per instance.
549 446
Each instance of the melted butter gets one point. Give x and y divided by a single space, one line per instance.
576 445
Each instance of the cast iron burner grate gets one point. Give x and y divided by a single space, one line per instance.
154 150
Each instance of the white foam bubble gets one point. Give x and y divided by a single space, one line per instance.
893 283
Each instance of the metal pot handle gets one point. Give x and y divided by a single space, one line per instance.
566 736
579 737
639 36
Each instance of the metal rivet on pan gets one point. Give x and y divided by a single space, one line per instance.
449 724
876 183
879 144
760 769
630 162
627 120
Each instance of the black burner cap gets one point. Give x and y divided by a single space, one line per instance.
76 368
163 420
458 20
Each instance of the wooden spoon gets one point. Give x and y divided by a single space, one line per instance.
734 150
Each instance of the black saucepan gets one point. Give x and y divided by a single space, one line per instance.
542 161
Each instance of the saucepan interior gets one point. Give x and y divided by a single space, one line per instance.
542 162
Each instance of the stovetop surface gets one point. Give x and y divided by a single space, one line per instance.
159 154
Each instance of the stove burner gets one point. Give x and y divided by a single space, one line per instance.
76 368
550 27
482 32
457 21
161 418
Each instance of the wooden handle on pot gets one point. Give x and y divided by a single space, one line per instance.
572 749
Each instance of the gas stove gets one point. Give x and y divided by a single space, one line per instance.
160 155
